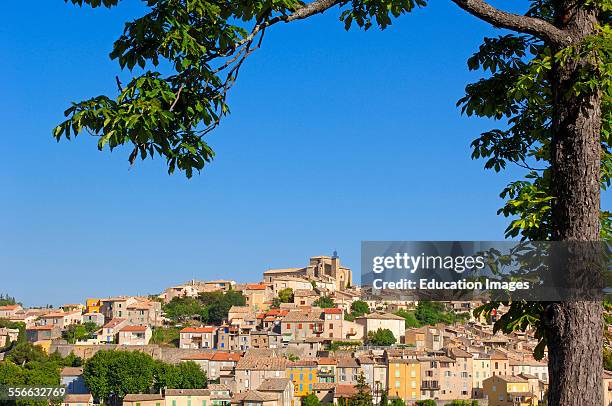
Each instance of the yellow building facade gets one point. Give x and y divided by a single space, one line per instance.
303 374
93 305
404 376
505 390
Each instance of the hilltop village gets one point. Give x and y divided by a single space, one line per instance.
298 333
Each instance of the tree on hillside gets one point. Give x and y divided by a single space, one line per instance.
76 332
359 308
110 375
6 300
382 337
363 397
426 402
285 295
550 81
311 400
384 399
24 352
410 317
181 309
324 302
399 402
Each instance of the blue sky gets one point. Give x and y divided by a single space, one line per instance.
334 137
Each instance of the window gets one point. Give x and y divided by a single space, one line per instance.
174 403
413 374
397 373
397 384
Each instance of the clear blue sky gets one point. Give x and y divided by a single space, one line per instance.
334 138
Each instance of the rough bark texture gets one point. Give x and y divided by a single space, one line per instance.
575 328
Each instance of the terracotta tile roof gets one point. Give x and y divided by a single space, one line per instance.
459 353
206 329
332 310
71 371
273 385
218 387
262 363
113 323
9 307
56 315
78 398
302 316
345 391
510 378
347 362
226 356
256 286
327 361
324 386
254 396
302 363
198 357
134 328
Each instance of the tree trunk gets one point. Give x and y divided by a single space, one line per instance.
575 328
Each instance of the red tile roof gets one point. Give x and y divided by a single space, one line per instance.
134 328
256 286
198 330
333 310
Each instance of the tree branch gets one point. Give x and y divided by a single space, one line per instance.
515 22
307 10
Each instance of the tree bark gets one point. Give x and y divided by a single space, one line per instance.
575 328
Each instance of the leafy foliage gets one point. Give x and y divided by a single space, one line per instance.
6 300
285 295
517 91
363 397
359 308
77 332
208 307
463 403
26 364
166 336
429 313
324 302
110 375
310 400
382 337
